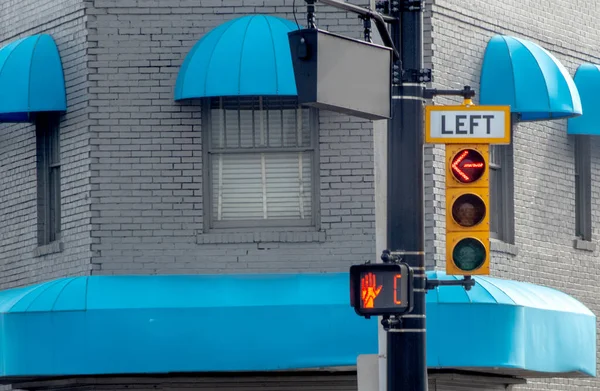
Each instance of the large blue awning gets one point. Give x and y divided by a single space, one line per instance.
587 80
205 323
31 78
247 56
527 77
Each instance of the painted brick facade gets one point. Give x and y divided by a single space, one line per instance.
543 153
147 154
21 261
132 157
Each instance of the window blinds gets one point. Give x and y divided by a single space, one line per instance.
261 160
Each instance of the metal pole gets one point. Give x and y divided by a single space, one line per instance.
406 350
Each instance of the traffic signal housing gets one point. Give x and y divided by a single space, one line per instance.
467 209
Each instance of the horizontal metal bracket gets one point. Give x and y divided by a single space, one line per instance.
466 92
467 282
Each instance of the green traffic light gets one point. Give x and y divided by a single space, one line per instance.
469 254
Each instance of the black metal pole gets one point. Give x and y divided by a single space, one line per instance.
406 350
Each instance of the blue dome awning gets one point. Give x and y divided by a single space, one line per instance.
31 79
247 56
587 80
527 77
160 324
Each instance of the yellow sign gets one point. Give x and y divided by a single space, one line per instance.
467 124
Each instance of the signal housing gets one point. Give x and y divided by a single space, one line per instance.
467 209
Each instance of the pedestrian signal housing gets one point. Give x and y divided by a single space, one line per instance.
378 289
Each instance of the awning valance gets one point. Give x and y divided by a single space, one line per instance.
207 323
247 56
587 80
527 77
31 79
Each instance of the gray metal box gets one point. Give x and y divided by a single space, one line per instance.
342 74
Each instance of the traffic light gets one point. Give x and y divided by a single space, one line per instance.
381 289
467 209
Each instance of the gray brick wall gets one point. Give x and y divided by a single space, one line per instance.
19 263
543 153
147 153
132 157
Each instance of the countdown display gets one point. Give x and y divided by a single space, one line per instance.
381 289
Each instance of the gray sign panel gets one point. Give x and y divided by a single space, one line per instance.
342 74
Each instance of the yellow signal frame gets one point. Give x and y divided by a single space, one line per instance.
451 195
454 189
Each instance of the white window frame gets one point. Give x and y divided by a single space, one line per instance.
583 188
209 152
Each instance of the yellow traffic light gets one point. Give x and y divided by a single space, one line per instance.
467 209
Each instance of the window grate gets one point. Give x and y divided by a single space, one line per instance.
261 162
501 193
583 188
48 178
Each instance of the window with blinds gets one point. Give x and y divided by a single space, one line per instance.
260 155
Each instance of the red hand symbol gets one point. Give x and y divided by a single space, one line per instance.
369 290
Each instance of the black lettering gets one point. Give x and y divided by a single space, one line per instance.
472 122
444 131
459 123
488 122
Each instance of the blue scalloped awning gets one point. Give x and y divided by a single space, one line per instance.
247 56
159 324
527 77
31 78
587 80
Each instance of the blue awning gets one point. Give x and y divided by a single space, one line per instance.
587 80
205 323
512 326
247 56
31 78
527 77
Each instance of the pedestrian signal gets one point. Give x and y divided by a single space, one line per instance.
381 289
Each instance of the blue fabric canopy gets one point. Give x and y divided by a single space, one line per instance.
31 78
527 77
587 80
247 56
160 324
510 325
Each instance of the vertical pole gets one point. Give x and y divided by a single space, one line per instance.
406 351
380 172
